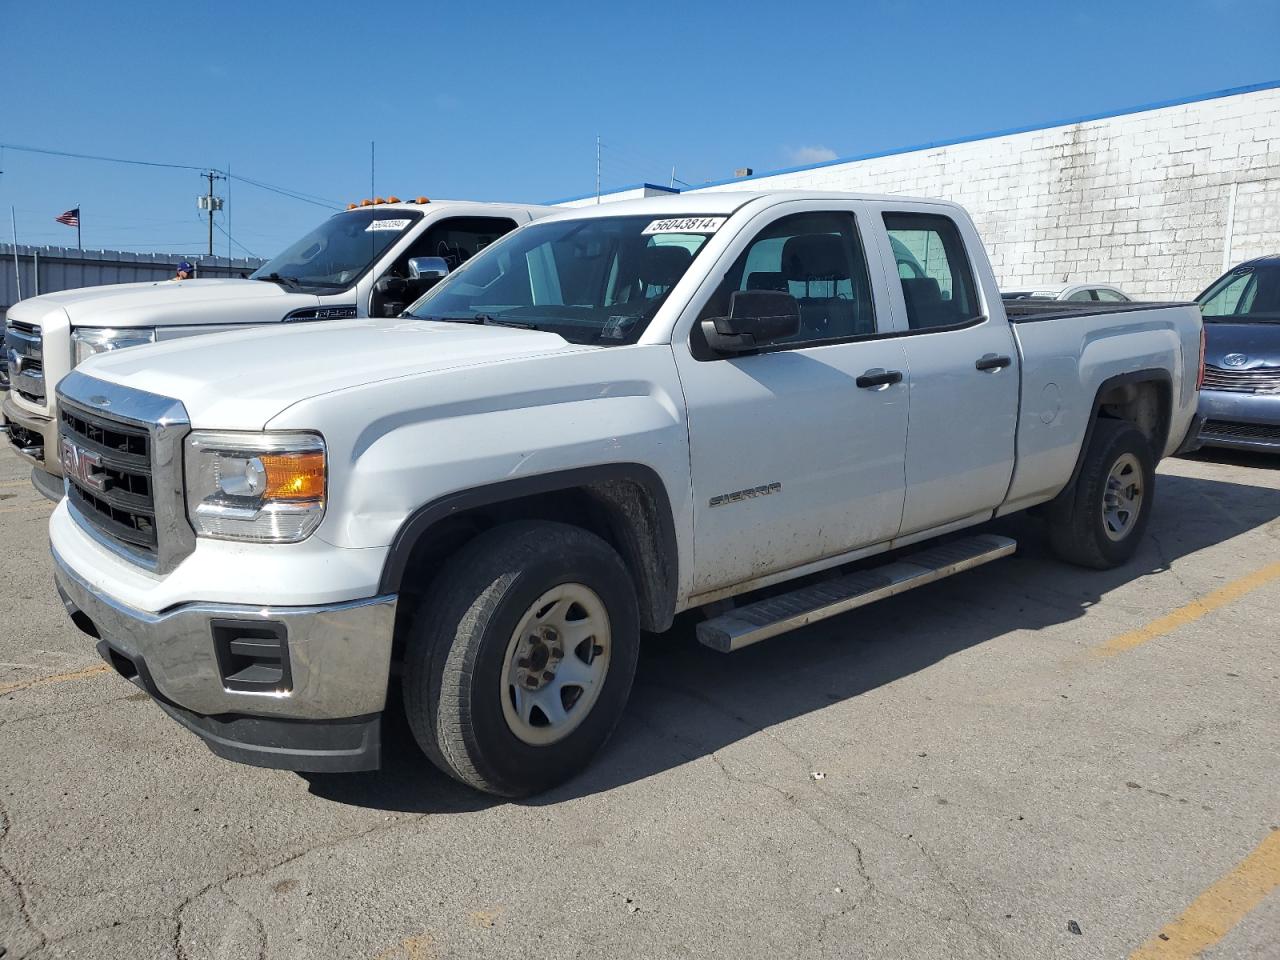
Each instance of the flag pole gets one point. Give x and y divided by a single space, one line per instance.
17 274
79 217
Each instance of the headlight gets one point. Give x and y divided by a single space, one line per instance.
91 340
264 487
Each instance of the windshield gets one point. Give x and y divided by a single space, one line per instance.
1246 294
337 253
597 281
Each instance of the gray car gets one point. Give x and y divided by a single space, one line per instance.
1240 400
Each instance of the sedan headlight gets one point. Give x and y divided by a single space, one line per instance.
91 340
262 487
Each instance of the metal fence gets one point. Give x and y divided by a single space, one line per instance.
39 270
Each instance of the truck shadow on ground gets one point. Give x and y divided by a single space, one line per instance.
689 701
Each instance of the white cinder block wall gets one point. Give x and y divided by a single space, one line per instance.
1155 201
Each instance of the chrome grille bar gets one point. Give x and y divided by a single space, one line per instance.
24 350
1254 380
121 452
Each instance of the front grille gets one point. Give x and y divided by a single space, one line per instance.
1253 432
121 452
1255 380
108 468
24 354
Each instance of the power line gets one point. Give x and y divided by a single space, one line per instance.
283 191
237 242
89 156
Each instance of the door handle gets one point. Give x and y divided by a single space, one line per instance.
991 361
879 377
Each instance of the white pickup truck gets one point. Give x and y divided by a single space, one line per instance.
717 401
369 261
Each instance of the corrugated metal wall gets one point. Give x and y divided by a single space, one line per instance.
49 269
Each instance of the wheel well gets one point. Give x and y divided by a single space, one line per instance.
1148 404
626 513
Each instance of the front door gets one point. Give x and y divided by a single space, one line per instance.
797 451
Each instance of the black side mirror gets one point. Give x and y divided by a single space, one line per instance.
391 286
756 318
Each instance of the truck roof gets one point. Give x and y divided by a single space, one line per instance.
721 202
480 206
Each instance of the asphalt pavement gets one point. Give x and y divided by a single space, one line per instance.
1027 761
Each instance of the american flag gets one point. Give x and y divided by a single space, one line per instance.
71 218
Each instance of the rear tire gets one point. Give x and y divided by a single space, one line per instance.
1100 520
521 657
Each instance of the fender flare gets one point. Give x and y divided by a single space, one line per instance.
657 590
1150 375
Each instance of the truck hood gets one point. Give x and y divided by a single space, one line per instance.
166 302
1258 342
241 380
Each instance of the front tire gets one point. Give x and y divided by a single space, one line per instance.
521 657
1099 521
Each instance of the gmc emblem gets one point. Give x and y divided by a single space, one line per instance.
82 466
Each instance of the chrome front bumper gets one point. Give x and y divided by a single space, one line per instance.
338 656
36 439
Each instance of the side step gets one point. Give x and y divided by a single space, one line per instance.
768 618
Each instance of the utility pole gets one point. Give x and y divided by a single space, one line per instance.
597 168
210 203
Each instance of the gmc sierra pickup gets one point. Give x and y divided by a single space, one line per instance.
372 260
716 401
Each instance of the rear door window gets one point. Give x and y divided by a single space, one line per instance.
945 294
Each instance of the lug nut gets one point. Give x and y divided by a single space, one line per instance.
523 663
548 675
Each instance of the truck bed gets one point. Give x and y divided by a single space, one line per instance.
1030 311
1064 365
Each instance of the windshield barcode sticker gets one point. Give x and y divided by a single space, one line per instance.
685 225
386 225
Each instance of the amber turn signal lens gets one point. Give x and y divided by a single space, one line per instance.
422 200
393 199
366 203
294 476
351 206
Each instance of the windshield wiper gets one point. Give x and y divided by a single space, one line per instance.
283 281
483 319
491 320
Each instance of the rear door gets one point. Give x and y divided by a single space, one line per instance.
963 374
797 451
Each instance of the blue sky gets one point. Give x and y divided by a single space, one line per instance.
504 100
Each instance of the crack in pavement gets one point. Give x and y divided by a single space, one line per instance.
24 906
220 885
967 913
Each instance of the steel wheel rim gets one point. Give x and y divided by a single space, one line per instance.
1122 498
556 664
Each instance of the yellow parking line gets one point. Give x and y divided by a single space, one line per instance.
57 678
1219 908
1190 613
